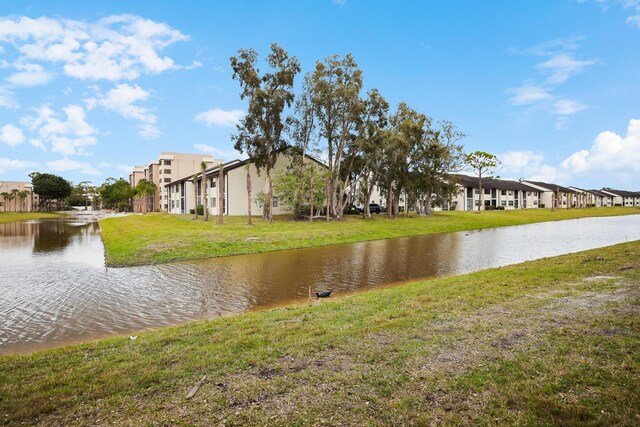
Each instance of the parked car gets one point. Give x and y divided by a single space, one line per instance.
373 208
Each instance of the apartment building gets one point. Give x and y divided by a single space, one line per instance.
169 167
624 197
496 193
182 192
10 196
554 195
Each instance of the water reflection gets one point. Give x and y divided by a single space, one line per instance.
54 288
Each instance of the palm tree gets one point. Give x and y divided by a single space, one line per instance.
194 179
205 211
5 197
144 189
22 195
14 196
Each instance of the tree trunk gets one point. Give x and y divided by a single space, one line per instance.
480 198
205 205
389 201
195 198
248 196
327 192
269 197
311 197
221 194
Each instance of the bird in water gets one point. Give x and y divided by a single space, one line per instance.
323 294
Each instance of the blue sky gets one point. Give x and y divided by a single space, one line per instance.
89 89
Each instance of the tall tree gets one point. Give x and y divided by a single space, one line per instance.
302 128
50 187
221 201
260 131
248 168
205 206
116 193
336 85
194 179
482 164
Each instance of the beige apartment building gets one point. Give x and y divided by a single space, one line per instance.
10 192
168 168
182 192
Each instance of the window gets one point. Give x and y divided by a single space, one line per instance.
503 192
167 162
510 202
487 191
173 204
167 180
477 191
535 203
213 202
503 202
167 171
275 202
213 183
511 193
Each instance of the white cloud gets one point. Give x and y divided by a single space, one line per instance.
609 152
70 137
9 164
122 100
149 131
31 75
520 161
225 155
561 67
6 99
529 94
114 48
66 164
220 117
11 135
567 107
634 20
38 144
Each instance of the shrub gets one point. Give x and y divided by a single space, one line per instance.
542 205
200 210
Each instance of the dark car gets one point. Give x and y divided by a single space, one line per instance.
373 208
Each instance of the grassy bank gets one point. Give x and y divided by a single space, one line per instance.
555 341
20 216
155 238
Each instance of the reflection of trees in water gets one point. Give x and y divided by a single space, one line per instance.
49 236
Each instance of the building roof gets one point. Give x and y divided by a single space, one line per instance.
552 187
599 193
624 193
498 184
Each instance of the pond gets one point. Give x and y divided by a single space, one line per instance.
55 289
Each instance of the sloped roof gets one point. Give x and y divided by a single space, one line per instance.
552 187
624 193
498 184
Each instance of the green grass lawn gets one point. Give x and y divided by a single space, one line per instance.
20 216
155 238
550 342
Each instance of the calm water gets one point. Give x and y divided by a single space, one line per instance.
54 288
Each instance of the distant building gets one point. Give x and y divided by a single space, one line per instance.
554 195
12 202
624 197
169 167
496 193
182 193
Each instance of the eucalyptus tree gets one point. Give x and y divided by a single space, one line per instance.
259 133
221 202
205 206
336 83
361 149
302 128
482 163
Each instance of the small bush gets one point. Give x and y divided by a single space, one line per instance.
542 205
200 210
